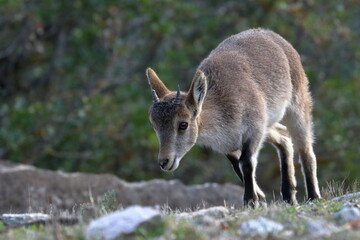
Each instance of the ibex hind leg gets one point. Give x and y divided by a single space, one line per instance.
279 137
299 123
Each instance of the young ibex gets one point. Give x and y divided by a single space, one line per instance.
239 95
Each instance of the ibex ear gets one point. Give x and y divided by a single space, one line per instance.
197 92
156 84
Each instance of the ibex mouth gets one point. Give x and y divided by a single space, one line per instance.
174 165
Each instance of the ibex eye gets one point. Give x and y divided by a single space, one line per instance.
183 126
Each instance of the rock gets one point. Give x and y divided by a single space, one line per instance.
214 217
27 219
320 228
17 220
25 188
351 204
348 214
210 221
347 197
260 227
213 212
122 223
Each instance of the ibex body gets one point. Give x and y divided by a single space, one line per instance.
239 95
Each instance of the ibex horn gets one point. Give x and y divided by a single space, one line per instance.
177 98
155 96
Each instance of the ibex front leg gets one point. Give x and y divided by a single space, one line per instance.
248 162
234 159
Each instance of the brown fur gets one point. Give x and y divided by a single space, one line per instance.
240 93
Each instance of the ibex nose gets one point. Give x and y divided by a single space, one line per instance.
163 163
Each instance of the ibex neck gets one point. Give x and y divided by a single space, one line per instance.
213 132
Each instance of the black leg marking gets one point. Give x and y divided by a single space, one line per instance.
288 190
235 164
250 197
308 165
310 185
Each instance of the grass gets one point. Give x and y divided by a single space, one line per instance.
334 189
293 218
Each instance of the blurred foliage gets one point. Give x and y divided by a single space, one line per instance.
74 95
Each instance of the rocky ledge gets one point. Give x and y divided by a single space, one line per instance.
24 188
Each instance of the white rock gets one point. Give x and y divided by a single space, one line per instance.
120 223
16 220
260 227
213 212
320 228
350 204
348 214
350 196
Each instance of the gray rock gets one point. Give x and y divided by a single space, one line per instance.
122 223
27 219
260 227
17 220
348 214
25 188
347 197
210 221
320 228
212 217
351 204
213 212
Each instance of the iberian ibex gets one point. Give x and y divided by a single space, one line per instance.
250 89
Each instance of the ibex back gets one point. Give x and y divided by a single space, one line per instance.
239 95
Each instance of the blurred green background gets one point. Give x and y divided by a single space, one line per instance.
73 92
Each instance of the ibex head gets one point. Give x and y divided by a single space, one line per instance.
174 117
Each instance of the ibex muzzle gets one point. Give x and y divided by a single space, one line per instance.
250 89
